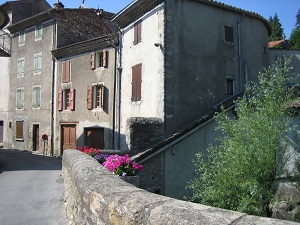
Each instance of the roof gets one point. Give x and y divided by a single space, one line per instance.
86 46
140 7
51 14
186 130
283 44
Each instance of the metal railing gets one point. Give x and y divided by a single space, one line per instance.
5 43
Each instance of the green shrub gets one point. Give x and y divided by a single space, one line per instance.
240 173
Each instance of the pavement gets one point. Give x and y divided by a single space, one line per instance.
31 189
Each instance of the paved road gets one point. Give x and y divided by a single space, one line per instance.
31 189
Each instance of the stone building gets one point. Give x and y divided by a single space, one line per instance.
14 11
86 72
179 60
34 71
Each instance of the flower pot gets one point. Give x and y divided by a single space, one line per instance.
134 180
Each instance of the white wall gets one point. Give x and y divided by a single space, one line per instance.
152 59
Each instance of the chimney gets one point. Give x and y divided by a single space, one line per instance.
58 5
99 12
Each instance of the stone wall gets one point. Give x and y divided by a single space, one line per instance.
96 196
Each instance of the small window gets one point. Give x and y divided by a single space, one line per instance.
228 34
99 59
20 98
230 87
37 63
20 130
20 67
95 96
137 32
38 32
66 71
136 82
22 38
36 97
66 99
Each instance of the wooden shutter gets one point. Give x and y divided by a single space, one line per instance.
19 129
105 58
59 100
90 97
72 99
101 96
136 82
137 32
66 71
93 61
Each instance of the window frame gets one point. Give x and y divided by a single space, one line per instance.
228 34
37 61
22 37
137 32
95 96
66 99
38 34
99 59
19 130
21 67
36 99
20 99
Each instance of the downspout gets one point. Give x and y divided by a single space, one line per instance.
114 109
240 53
53 88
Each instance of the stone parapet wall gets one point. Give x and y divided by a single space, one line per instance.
96 196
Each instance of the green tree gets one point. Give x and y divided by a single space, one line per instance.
239 174
295 35
276 28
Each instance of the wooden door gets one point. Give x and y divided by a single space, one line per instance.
36 137
68 137
1 131
94 137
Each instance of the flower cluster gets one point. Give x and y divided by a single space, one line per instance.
119 165
88 150
122 165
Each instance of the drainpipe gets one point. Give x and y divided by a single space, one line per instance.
53 89
240 53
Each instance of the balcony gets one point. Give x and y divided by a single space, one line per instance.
5 43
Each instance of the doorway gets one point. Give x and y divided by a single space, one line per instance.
36 137
68 136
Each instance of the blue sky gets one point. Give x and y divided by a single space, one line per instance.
285 9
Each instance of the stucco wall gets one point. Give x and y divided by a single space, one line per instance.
96 196
152 59
81 76
199 61
40 116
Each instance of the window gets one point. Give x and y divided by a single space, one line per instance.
36 97
20 98
66 99
137 32
22 37
19 130
94 137
38 32
20 67
95 96
37 63
136 82
229 87
65 71
228 33
99 59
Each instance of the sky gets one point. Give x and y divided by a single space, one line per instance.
285 9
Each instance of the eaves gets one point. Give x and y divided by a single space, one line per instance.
91 45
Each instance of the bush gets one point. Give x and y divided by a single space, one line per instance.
240 173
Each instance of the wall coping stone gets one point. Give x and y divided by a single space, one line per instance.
96 196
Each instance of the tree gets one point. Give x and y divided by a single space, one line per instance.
295 38
276 28
298 19
240 173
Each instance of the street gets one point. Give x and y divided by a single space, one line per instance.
31 189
